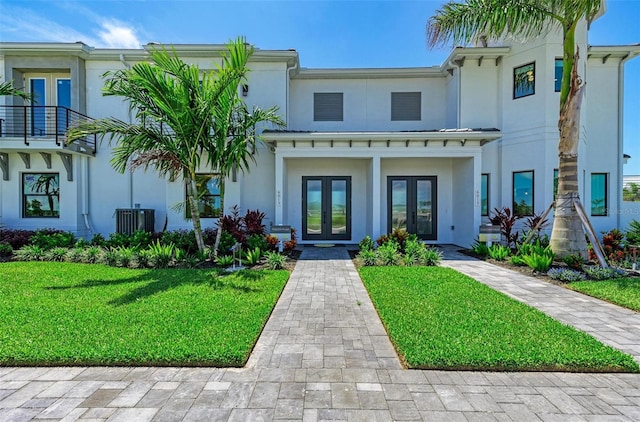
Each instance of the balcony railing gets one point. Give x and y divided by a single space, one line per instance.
44 123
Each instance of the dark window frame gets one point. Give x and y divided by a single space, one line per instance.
24 195
515 78
485 213
605 206
218 195
513 193
405 96
557 84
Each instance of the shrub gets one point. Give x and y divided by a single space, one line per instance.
252 223
273 243
290 245
531 222
49 239
6 249
499 252
56 254
633 233
517 260
413 248
123 256
275 261
98 240
30 253
224 260
252 256
409 260
566 274
430 256
182 239
388 253
480 248
140 258
366 244
400 236
226 243
16 238
74 255
161 256
574 261
600 273
257 241
382 239
537 262
507 221
367 257
233 225
93 255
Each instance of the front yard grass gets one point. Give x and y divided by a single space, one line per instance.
79 314
620 291
439 318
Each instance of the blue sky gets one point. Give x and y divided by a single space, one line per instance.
329 33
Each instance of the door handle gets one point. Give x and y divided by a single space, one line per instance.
324 217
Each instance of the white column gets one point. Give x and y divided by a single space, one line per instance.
279 184
477 199
376 203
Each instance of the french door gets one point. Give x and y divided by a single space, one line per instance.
49 89
326 207
412 205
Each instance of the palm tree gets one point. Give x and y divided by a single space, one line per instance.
495 19
7 88
184 118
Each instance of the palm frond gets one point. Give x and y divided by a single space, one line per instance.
7 88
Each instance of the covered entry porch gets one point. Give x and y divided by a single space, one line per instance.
338 187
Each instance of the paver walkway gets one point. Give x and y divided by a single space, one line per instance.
322 356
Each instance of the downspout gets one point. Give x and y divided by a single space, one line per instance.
621 135
85 194
130 182
287 90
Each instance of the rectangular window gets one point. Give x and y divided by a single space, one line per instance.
599 197
555 183
524 80
40 195
406 106
558 75
484 194
523 192
327 107
209 200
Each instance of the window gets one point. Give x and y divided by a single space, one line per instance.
40 195
327 107
209 201
524 80
555 183
599 199
406 106
523 192
558 75
484 194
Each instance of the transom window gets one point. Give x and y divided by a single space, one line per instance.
524 80
523 193
208 197
406 106
40 195
328 107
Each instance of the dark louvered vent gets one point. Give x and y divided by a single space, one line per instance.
327 107
406 106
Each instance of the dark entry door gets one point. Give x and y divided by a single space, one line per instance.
412 205
326 207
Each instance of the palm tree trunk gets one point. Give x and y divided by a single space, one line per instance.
567 236
216 245
195 213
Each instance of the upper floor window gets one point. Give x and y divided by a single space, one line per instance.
524 80
327 107
599 197
523 192
406 106
208 196
558 75
40 195
484 194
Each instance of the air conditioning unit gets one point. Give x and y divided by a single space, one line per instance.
128 220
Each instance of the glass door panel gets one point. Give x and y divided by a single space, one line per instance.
326 202
314 207
63 99
424 221
399 204
38 89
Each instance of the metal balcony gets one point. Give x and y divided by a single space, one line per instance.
42 127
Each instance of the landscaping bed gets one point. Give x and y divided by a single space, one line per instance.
438 318
58 313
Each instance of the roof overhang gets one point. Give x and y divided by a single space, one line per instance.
444 136
619 52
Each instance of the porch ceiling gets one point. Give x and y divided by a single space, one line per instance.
458 137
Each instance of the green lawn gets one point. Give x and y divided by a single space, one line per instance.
78 314
439 318
622 291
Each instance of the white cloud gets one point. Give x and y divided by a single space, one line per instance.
115 34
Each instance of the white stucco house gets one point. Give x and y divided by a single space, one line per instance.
432 150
